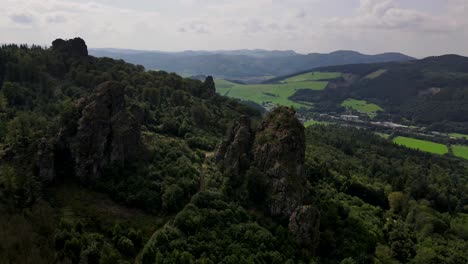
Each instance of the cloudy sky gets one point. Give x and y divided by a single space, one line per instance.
415 27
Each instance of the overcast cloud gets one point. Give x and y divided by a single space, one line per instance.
415 27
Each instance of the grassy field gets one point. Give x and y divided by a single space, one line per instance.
383 135
456 135
460 151
361 106
314 122
422 145
375 74
264 93
313 76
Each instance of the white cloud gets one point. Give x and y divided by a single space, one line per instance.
304 25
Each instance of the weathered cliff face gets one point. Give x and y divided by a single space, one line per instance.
107 132
304 225
210 86
45 161
73 47
278 151
234 153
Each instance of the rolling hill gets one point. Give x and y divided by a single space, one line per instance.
102 162
250 65
431 91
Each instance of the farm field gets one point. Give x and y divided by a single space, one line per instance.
375 74
314 122
361 106
312 76
383 135
457 135
268 93
460 151
422 145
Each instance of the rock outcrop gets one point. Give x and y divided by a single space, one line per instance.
45 161
107 132
277 150
210 86
71 48
304 225
234 152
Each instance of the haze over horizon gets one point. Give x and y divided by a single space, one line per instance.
417 28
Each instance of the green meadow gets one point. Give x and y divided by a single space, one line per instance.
313 76
268 93
375 74
460 151
457 135
314 122
422 145
383 135
361 106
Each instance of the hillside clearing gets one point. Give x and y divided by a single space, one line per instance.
422 145
460 151
375 74
315 122
361 106
263 94
457 135
383 135
312 76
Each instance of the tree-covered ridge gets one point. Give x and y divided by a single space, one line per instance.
104 162
63 113
431 91
382 200
378 203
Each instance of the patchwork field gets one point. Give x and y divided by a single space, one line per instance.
457 135
375 74
268 93
361 106
383 135
422 145
314 122
460 151
312 76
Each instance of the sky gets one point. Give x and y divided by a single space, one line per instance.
415 27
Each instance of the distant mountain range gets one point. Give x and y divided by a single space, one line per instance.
251 65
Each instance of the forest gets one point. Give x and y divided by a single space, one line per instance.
102 161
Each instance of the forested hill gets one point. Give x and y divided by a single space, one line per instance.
428 91
104 162
242 64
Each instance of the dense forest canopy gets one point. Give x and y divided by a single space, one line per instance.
102 161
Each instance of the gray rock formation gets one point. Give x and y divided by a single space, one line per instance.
107 132
304 225
278 151
72 48
45 161
209 85
234 153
